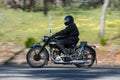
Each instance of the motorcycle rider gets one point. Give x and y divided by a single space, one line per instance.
68 36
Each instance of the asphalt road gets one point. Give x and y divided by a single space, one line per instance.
58 73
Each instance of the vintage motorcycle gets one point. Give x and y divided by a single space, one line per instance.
81 55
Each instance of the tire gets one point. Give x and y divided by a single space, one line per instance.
90 55
41 59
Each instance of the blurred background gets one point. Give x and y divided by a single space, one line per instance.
23 22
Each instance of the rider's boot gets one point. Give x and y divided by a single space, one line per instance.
65 52
66 55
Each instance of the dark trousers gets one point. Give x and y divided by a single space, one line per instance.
65 43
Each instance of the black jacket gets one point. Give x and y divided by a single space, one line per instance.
70 32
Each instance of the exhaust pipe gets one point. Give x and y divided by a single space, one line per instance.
78 61
70 62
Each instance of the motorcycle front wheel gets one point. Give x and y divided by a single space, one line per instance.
36 60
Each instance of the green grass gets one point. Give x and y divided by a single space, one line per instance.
18 26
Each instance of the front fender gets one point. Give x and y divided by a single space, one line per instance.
35 45
38 45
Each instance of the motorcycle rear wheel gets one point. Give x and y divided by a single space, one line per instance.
34 59
89 55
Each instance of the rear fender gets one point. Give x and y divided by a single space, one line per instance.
84 44
92 50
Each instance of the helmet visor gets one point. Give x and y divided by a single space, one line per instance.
65 21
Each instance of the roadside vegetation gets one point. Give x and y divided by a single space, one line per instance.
18 26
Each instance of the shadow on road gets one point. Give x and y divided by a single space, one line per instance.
8 61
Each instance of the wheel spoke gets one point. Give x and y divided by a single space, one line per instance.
36 60
87 54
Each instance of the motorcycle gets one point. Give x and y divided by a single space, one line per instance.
81 55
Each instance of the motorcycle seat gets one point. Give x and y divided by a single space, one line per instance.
72 46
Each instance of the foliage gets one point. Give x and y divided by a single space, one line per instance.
115 4
1 5
85 3
38 5
90 3
29 42
103 41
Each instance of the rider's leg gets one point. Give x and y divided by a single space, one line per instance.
62 48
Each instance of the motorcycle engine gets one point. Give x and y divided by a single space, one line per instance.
57 51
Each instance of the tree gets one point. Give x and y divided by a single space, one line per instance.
32 5
45 2
66 3
115 4
103 18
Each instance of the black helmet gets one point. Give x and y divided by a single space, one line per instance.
68 20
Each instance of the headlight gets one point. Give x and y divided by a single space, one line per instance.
45 38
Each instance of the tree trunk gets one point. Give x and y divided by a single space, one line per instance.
103 18
24 5
66 3
94 3
32 4
45 6
59 2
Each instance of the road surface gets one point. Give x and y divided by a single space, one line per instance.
58 73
